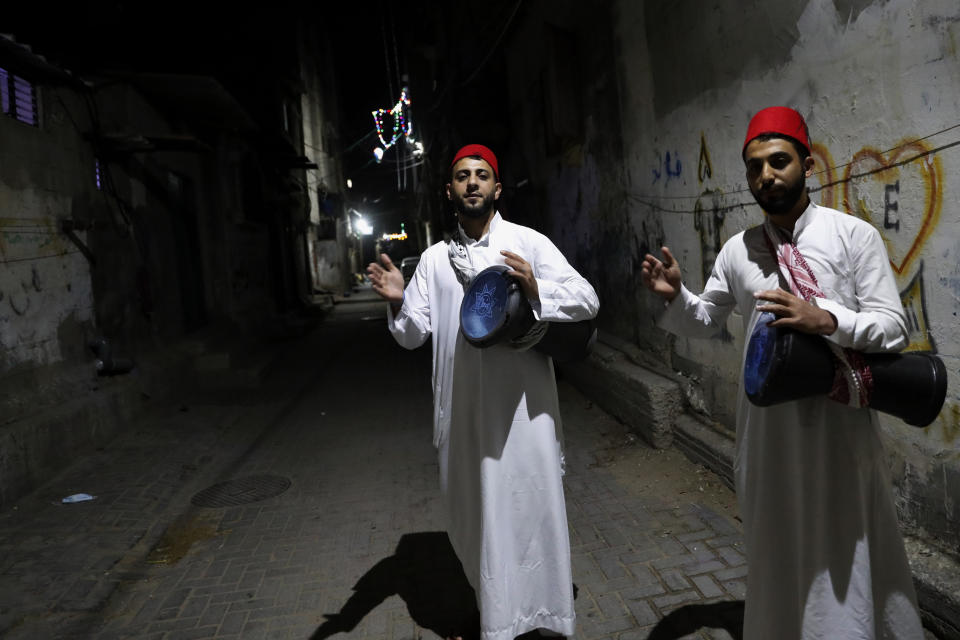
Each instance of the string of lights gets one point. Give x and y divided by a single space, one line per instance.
402 125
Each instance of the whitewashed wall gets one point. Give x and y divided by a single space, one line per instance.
879 85
44 278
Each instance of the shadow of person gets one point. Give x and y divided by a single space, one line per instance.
727 615
425 572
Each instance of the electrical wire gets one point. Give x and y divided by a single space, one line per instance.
32 223
372 132
386 53
646 199
495 44
32 258
490 51
396 58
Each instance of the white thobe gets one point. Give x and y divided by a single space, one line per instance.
497 431
825 555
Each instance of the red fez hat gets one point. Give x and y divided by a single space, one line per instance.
780 120
478 150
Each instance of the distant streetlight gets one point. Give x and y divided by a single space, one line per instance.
349 183
364 227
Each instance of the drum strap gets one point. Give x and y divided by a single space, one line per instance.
531 337
853 381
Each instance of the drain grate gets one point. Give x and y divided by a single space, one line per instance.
240 491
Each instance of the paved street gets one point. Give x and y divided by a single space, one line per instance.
307 507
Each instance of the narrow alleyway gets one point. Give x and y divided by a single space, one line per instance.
306 506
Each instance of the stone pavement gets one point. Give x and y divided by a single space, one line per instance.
348 541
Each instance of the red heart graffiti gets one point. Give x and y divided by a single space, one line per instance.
871 162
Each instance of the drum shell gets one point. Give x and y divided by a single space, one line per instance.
562 341
910 386
513 312
801 365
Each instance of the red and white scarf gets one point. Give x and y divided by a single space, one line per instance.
853 381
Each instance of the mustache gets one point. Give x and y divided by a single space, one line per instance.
478 210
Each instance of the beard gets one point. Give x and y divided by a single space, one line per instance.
782 202
480 209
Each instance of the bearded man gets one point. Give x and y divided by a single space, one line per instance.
496 417
825 555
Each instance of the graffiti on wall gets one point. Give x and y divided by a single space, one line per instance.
671 165
708 216
900 192
709 213
704 166
877 198
882 188
915 307
23 243
823 171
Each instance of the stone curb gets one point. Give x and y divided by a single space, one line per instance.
644 400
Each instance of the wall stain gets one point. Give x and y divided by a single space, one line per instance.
949 424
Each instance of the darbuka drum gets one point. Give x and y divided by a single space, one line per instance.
783 365
494 310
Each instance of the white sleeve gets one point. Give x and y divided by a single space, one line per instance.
564 295
879 324
701 316
411 325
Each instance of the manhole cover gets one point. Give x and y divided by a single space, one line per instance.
241 491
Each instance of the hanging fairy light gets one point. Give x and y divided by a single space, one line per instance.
402 123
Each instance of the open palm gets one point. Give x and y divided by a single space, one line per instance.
663 277
387 280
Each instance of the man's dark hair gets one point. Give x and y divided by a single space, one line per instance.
765 137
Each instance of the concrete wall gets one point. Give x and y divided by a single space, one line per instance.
563 170
665 90
879 84
150 280
325 184
150 235
46 302
46 307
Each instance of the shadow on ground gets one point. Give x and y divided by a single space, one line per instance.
693 617
425 572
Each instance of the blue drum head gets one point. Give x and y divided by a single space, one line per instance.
760 355
484 308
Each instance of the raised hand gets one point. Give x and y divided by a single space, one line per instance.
795 312
523 274
387 280
662 277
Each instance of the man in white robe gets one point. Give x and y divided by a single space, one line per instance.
825 555
496 421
